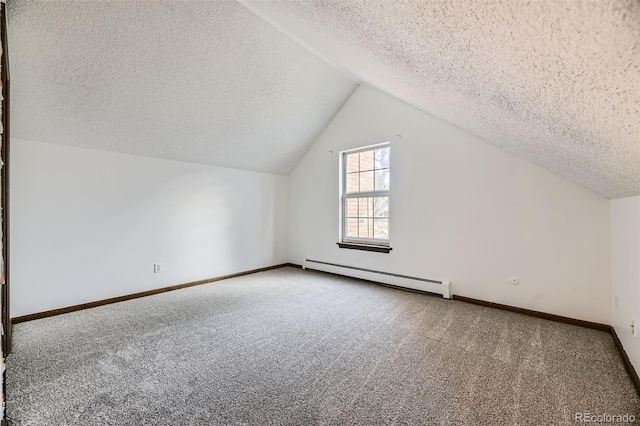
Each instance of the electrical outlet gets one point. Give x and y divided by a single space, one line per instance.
634 328
157 268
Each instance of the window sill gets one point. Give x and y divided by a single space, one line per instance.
365 247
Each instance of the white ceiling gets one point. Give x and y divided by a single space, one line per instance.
557 82
204 82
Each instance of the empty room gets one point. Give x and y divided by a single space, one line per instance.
320 212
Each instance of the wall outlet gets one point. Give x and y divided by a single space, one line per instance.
634 327
157 268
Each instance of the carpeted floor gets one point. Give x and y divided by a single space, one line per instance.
292 347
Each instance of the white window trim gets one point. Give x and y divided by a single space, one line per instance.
344 196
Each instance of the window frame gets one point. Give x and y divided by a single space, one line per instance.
350 242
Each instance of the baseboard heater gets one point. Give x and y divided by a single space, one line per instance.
414 283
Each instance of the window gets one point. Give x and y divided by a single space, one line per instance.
365 196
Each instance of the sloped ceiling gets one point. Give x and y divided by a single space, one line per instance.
557 82
204 82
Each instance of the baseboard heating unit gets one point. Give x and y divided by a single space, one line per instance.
414 283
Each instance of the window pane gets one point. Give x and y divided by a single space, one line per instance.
353 180
365 207
352 207
365 228
381 229
366 160
382 158
382 180
352 162
352 228
366 181
362 207
381 207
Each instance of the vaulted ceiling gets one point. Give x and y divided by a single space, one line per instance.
204 82
556 82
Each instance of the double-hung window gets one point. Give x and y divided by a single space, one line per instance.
365 195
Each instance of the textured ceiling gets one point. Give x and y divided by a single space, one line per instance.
205 82
557 82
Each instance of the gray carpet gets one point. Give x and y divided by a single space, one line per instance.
292 347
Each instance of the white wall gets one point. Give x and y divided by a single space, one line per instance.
463 210
625 272
88 225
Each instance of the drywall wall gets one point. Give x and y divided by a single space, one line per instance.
625 273
89 225
463 210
